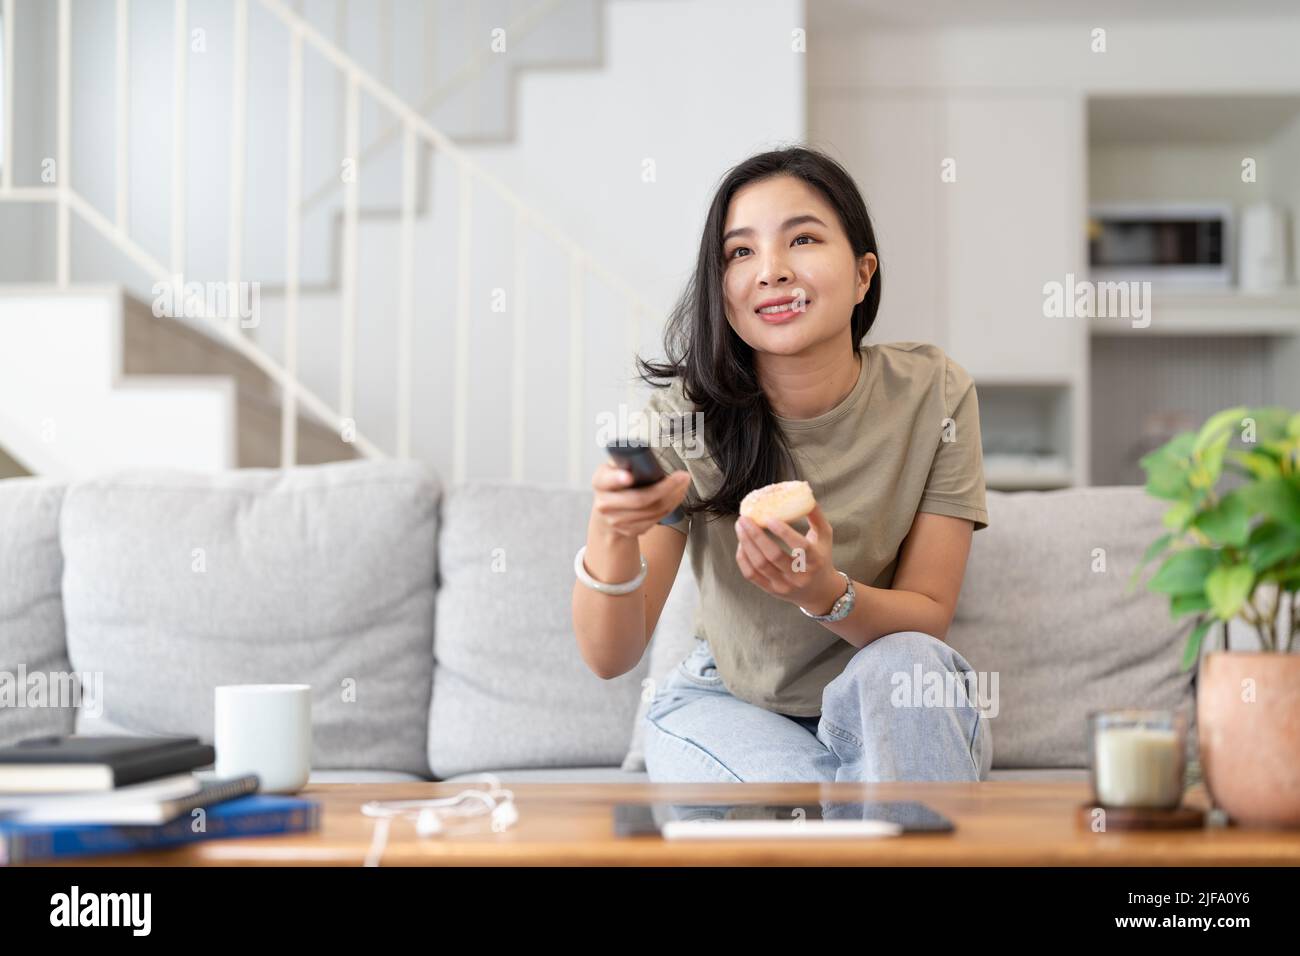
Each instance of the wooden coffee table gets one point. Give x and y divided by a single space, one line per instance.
1002 823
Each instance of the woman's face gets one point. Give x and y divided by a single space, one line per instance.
782 242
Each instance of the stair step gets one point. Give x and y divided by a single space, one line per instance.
134 390
68 409
153 345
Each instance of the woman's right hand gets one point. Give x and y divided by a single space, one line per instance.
631 512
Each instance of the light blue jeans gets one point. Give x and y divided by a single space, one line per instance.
698 732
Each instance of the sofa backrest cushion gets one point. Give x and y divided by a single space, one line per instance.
1045 605
175 583
38 692
510 689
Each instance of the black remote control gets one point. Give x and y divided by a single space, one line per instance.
637 458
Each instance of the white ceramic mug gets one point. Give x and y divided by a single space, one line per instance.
264 729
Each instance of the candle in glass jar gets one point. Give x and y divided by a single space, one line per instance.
1138 767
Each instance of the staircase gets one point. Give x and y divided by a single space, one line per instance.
75 415
326 370
154 347
473 102
136 390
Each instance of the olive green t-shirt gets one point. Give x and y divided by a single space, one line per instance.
905 439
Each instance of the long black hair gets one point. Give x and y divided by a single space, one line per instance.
716 365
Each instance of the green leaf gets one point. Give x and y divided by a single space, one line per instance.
1257 463
1193 649
1228 522
1181 445
1184 572
1181 604
1228 587
1211 458
1225 422
1270 543
1178 515
1167 467
1165 478
1154 549
1276 497
1293 426
1271 423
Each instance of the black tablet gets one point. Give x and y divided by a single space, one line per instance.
639 819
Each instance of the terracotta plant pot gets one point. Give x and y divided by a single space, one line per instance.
1248 729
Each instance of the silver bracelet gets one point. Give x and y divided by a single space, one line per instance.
625 588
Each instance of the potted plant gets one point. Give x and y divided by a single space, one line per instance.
1232 552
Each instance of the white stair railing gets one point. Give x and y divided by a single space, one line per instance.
415 129
517 28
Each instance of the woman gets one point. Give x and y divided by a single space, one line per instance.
806 659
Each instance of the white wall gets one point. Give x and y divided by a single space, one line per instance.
1186 171
1232 53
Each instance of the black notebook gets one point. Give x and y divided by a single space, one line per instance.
89 763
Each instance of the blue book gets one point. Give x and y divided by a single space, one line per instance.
257 814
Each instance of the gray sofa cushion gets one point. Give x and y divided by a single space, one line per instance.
673 640
175 583
1062 637
509 686
35 674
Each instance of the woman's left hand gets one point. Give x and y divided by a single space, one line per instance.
806 576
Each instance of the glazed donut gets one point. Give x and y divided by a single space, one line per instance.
787 501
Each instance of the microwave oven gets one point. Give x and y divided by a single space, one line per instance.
1173 243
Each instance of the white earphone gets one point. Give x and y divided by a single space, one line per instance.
497 803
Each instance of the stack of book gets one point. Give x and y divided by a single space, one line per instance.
79 795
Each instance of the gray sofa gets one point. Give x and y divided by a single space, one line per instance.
434 624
